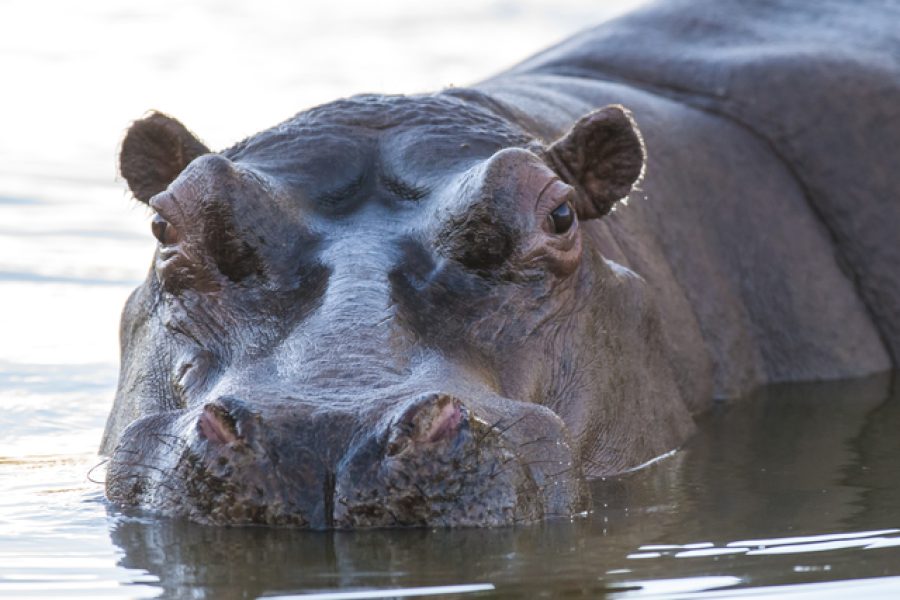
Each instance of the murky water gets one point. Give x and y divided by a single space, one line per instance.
791 493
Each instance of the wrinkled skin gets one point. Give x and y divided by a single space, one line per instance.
423 311
319 337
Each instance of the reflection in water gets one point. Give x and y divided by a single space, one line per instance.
876 588
418 592
791 486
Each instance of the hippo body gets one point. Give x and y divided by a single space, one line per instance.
444 310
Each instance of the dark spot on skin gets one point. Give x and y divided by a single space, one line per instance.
480 239
235 258
438 302
416 266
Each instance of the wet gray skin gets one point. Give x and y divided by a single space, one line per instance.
345 313
423 310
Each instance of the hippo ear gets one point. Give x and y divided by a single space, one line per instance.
602 156
155 151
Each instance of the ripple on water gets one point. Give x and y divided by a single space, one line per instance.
54 540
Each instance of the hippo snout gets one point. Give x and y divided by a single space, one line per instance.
432 460
438 463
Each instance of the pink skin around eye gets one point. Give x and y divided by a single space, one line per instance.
560 252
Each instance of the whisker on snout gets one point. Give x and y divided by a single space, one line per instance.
94 468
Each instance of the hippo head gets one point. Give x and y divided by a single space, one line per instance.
380 312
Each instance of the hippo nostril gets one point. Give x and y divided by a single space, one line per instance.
430 420
444 422
217 424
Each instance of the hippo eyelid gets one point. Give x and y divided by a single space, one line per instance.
547 203
401 189
540 197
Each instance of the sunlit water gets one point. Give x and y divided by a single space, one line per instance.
792 493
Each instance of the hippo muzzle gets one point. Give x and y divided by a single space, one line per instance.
431 461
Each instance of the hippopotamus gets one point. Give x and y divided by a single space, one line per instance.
456 308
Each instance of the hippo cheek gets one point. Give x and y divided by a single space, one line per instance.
446 467
144 459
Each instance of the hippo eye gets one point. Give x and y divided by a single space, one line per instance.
163 231
561 219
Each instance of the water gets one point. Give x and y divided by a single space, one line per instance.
791 493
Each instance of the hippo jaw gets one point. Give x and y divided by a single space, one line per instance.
349 318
